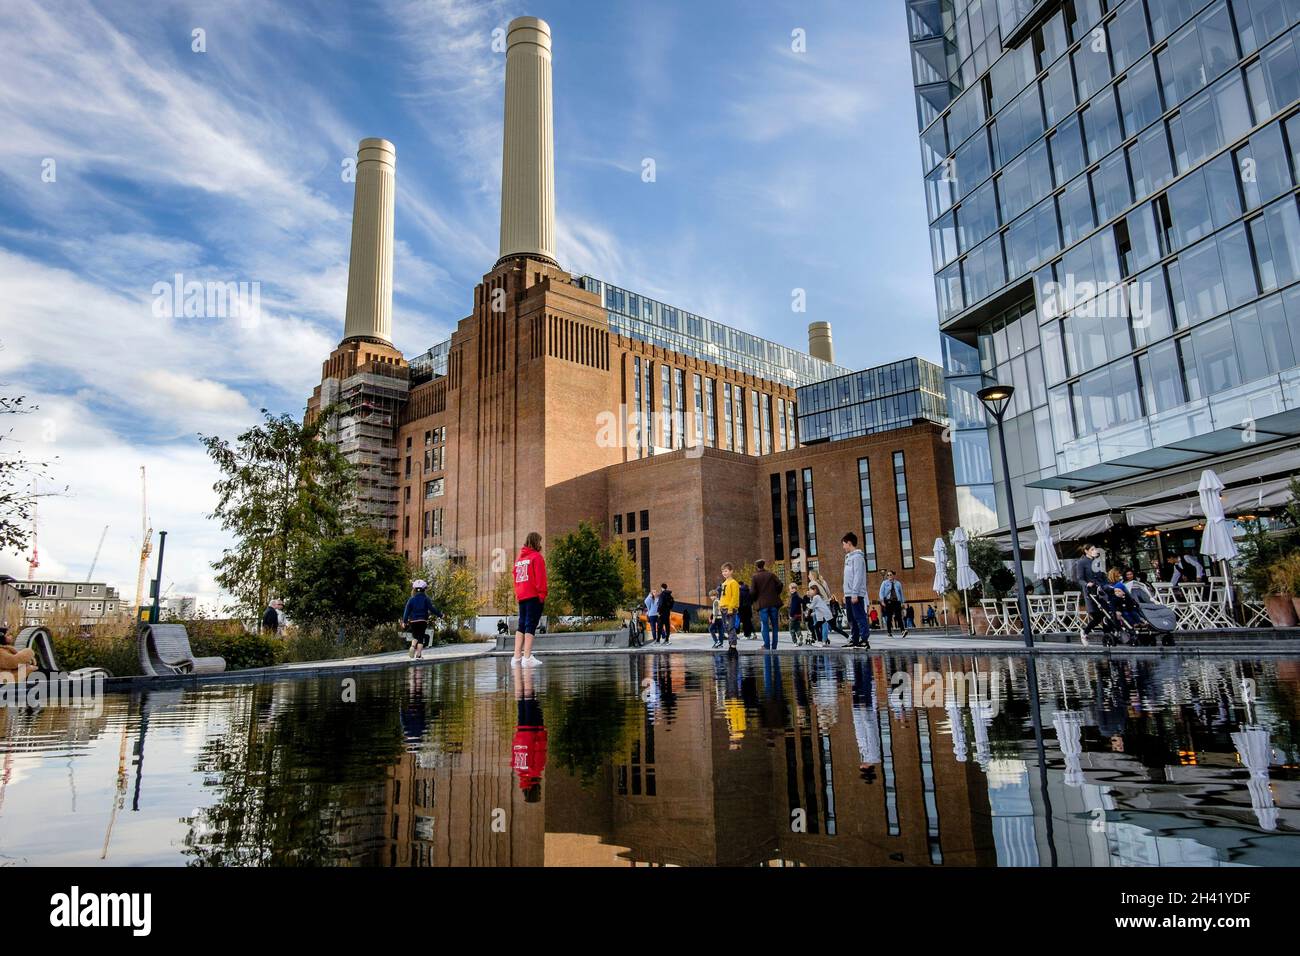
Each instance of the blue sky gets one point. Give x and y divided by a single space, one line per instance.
775 170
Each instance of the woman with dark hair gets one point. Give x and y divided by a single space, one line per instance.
530 592
1099 595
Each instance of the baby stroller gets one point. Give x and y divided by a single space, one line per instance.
1150 618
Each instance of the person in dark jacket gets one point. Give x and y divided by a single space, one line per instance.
746 610
416 616
766 588
1097 590
665 614
271 618
796 614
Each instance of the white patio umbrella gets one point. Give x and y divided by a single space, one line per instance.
1047 565
941 575
1216 542
966 578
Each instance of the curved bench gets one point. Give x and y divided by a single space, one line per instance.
165 652
42 645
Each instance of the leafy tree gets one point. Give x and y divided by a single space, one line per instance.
503 594
454 590
17 498
586 573
356 578
988 564
629 574
284 488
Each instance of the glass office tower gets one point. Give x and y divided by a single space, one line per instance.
872 400
1111 188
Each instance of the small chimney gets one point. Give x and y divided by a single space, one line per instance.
369 312
528 152
819 341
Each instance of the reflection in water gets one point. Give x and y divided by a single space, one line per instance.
674 759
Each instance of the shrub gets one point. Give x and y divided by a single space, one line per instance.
240 649
114 651
586 573
1284 575
357 577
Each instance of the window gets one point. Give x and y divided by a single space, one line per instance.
434 488
1150 161
792 509
697 381
1216 357
780 421
1276 236
1023 182
904 518
645 565
868 522
1067 150
778 536
666 389
618 524
1058 93
809 513
727 425
1101 126
1091 69
767 424
1110 188
631 522
645 520
1265 171
754 423
1139 98
1189 208
710 412
679 409
1127 35
1076 211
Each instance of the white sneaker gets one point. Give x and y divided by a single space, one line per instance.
531 661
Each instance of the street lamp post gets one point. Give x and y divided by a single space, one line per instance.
996 399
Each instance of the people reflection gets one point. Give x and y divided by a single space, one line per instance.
866 720
528 751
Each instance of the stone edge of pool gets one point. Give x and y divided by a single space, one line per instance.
697 645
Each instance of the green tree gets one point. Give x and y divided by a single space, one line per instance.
356 578
284 487
454 590
17 494
629 574
586 573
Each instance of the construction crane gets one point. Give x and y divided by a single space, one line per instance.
34 561
90 576
146 543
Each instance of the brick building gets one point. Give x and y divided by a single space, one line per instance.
561 398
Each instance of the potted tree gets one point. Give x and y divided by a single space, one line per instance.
1262 550
1284 581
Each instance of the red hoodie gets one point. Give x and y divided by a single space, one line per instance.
530 575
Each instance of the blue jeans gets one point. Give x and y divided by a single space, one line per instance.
859 625
769 619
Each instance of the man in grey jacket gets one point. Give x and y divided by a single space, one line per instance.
855 591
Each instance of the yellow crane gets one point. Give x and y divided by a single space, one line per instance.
146 544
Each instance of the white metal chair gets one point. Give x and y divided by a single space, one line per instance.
994 615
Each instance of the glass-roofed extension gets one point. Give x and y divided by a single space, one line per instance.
872 400
647 320
1111 187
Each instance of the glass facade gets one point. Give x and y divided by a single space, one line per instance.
647 320
1111 187
873 400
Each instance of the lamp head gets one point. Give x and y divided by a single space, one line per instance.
996 398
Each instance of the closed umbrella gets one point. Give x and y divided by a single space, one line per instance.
1047 565
1216 542
941 575
966 578
1069 738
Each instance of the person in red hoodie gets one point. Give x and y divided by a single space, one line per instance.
530 592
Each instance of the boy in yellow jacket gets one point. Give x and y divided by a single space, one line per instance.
729 602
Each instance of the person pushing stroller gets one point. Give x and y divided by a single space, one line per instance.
1101 598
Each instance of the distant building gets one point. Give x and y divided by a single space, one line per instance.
183 607
88 602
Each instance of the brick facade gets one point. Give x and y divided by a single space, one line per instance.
535 426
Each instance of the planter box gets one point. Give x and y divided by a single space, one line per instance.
1281 610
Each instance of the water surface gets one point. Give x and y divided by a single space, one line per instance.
675 759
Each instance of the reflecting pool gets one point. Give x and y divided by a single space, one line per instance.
675 759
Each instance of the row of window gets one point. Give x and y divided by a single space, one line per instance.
667 418
95 607
1256 172
628 524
